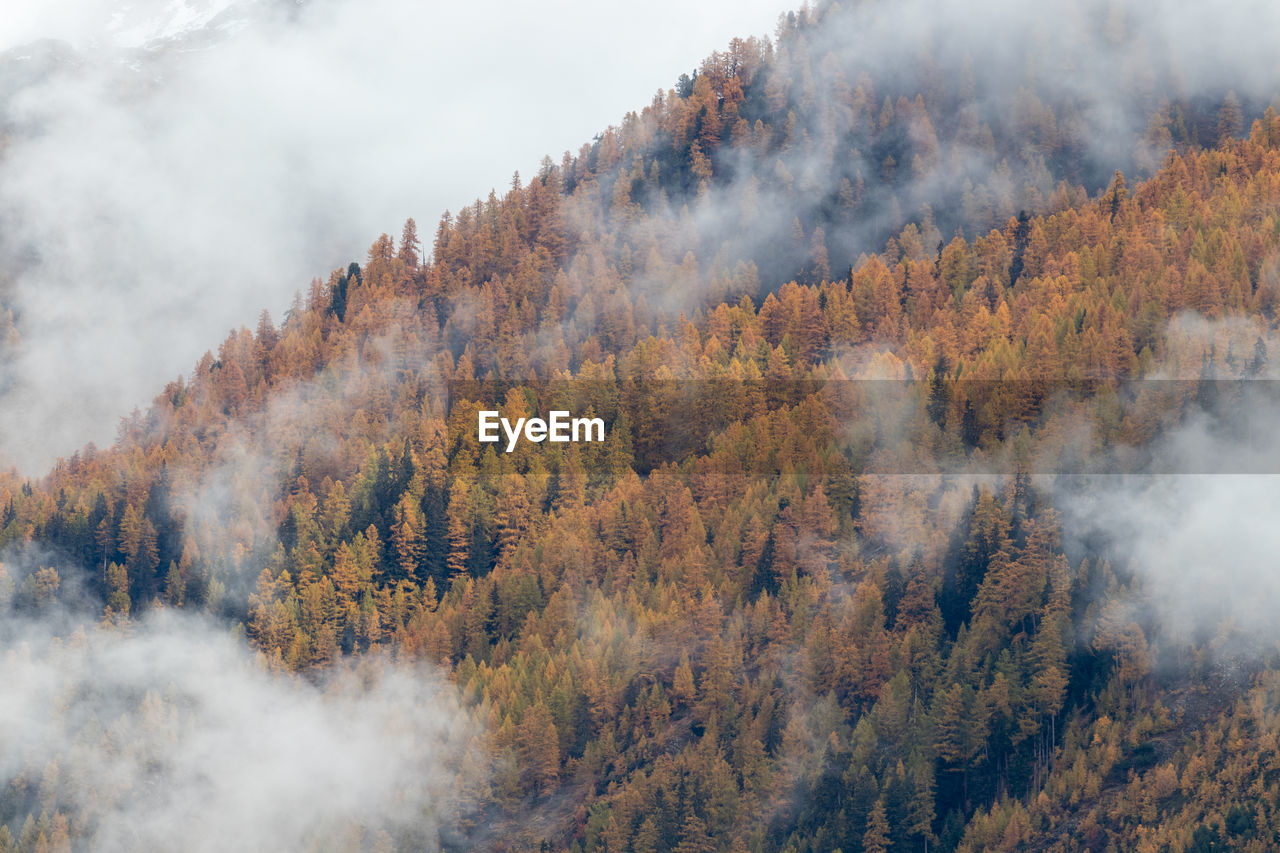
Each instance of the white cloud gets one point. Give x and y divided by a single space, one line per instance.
158 198
168 736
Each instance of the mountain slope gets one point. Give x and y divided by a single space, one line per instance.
826 583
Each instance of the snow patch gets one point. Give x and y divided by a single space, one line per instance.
134 26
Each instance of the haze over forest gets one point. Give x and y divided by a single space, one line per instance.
145 139
933 344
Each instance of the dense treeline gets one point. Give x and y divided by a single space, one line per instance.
731 625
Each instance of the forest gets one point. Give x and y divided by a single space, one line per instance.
875 555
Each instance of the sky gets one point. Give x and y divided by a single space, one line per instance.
157 192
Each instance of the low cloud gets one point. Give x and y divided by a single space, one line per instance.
155 196
167 734
1195 523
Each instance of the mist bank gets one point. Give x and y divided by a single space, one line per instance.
242 148
166 733
1197 551
171 170
797 156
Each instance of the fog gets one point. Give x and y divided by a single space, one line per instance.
168 731
1017 99
1193 525
229 507
171 168
160 185
168 735
1203 548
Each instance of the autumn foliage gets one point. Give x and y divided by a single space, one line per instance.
758 616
